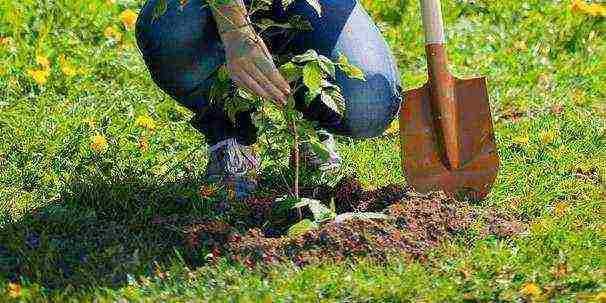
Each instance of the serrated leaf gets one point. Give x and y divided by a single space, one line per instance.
312 76
286 3
290 72
223 73
327 66
334 104
160 9
301 228
266 23
361 216
318 210
316 6
309 55
350 70
319 149
311 95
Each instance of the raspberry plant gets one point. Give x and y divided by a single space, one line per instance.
284 124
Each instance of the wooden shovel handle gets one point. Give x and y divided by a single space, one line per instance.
432 22
441 83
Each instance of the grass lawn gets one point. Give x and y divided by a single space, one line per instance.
73 219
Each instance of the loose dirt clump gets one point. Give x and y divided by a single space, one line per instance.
417 223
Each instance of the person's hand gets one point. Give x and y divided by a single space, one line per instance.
248 60
251 65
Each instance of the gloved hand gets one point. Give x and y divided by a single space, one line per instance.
248 59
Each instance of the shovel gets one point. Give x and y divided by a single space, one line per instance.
446 127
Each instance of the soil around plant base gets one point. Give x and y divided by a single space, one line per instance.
418 223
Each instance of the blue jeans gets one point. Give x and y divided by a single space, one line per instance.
182 50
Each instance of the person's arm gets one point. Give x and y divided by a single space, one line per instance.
249 61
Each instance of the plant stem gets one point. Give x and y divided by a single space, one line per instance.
297 158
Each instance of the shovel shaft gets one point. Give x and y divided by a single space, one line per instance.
441 83
432 22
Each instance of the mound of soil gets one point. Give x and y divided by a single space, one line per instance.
418 223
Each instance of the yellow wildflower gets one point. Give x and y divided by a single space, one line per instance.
5 40
146 122
593 9
530 289
522 140
92 124
207 191
560 209
111 33
14 290
547 136
39 75
143 144
68 71
601 297
66 67
393 129
99 143
43 61
128 18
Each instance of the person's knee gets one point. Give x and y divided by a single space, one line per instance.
372 107
181 49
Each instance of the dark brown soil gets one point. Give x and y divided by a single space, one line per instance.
419 223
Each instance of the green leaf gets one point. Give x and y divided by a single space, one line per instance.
350 70
334 104
319 149
301 228
286 3
311 95
160 9
327 66
316 5
310 55
312 76
290 72
223 73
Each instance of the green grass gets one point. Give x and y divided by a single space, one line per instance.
546 68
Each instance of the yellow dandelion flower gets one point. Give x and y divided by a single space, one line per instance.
39 75
143 144
146 122
68 71
128 18
43 61
594 9
547 136
14 290
560 209
5 40
601 297
522 140
111 33
394 128
66 68
530 289
98 143
207 191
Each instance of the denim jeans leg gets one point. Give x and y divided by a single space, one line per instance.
346 28
182 50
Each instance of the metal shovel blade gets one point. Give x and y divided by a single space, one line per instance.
425 160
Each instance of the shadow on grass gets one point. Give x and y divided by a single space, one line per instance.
103 230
